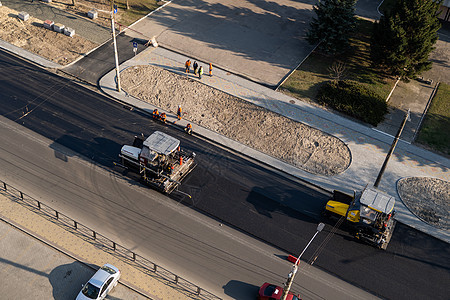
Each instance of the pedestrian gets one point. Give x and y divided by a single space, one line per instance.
210 69
195 67
188 66
188 128
200 72
179 112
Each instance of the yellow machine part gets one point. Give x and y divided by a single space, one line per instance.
341 209
353 216
336 207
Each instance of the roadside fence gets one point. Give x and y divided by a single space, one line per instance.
143 264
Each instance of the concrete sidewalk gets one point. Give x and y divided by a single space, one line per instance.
368 146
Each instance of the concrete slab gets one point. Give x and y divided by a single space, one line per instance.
260 40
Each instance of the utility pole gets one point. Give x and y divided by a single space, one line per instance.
290 279
394 144
113 30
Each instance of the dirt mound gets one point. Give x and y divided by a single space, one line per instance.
295 143
32 36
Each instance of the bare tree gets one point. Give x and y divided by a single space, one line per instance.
337 71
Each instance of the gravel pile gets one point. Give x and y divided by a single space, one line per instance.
428 198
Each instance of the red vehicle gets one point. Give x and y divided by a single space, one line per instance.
272 292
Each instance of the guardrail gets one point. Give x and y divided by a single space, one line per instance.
108 245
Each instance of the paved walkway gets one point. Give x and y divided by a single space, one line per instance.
261 40
368 146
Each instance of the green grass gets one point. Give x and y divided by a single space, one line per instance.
138 9
435 130
306 80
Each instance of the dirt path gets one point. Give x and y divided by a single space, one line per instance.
295 143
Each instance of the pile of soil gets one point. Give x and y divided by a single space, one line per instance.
32 36
427 198
295 143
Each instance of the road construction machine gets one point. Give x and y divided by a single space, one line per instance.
159 160
370 214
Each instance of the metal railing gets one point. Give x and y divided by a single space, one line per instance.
100 241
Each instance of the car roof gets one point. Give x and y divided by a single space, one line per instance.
101 276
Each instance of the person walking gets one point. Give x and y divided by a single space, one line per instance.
200 72
187 65
195 67
179 112
210 69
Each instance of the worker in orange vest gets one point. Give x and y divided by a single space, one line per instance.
163 117
188 128
155 114
187 65
179 112
210 69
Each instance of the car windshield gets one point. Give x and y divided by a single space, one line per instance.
269 290
90 291
109 270
295 298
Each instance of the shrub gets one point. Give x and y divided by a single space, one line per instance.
354 99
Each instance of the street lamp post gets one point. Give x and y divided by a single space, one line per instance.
113 32
290 279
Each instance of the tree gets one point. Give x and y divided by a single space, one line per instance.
404 37
333 25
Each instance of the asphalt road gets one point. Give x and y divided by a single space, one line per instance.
99 62
226 186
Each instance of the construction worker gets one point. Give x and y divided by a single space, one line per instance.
195 67
188 128
155 114
188 66
179 112
163 117
210 69
200 72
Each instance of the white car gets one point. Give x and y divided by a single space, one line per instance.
103 281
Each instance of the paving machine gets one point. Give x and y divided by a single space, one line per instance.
159 160
370 213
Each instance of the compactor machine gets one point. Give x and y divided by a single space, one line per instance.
159 160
